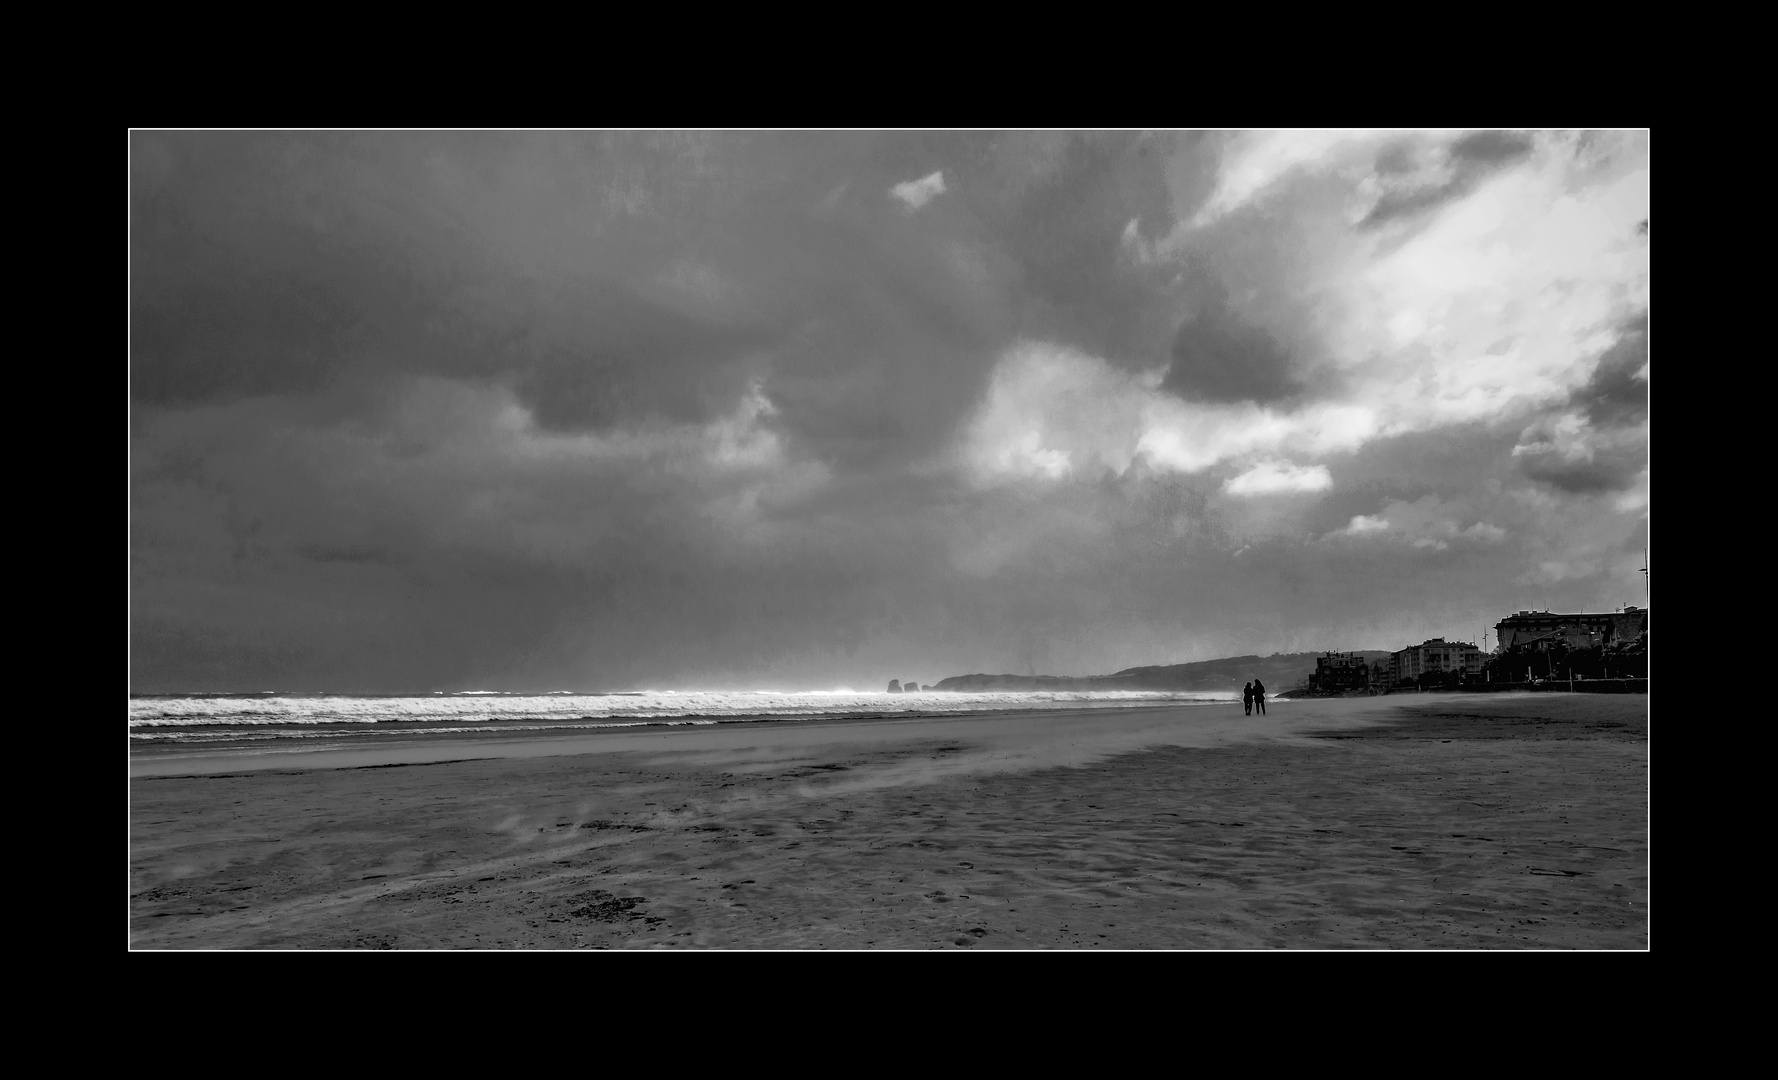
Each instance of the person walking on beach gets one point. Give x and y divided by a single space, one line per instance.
1247 700
1259 696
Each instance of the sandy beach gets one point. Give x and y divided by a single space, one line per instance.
1508 821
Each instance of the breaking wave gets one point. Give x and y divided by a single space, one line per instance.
217 718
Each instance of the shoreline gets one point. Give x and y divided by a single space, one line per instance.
172 759
1445 821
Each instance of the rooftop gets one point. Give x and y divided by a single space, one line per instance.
1630 609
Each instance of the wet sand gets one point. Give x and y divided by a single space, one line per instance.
1510 821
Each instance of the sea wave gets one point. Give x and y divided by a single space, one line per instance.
236 716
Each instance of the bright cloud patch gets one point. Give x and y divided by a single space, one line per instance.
1564 435
1054 412
1636 498
1497 305
1425 523
1497 271
1273 478
1051 412
917 193
1256 160
1489 287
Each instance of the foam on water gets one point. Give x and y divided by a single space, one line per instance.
207 719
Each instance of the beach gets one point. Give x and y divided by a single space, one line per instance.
1415 821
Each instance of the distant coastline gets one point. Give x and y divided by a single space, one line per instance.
1280 671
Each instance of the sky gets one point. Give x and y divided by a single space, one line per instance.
533 411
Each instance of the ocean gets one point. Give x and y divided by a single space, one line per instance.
301 723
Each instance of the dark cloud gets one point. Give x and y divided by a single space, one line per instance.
1603 473
1614 396
1592 462
1492 148
1395 158
260 266
612 278
273 263
1446 464
535 411
625 359
1063 234
1469 161
1216 357
1611 451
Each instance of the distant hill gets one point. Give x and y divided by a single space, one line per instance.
1280 672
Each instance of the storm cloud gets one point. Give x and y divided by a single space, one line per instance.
1417 179
544 410
1217 358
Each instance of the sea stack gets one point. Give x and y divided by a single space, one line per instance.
895 686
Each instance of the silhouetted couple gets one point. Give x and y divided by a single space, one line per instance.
1253 696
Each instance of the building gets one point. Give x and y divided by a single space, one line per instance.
1579 630
1383 673
1335 672
1436 655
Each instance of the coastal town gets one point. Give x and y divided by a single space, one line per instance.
1597 651
1593 652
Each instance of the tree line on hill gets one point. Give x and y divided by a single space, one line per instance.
1280 671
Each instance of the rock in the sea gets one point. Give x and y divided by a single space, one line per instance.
895 686
910 687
